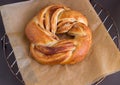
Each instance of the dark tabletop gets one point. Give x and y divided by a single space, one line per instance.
7 78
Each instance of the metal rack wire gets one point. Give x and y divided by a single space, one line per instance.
108 21
102 13
110 25
10 58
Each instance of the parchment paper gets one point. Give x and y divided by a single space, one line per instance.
103 58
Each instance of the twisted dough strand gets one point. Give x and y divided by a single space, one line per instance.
46 46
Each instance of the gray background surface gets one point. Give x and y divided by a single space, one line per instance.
7 78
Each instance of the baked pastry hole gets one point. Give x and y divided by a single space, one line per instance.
62 36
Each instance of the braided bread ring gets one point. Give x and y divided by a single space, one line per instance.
46 47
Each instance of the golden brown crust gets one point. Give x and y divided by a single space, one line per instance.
46 47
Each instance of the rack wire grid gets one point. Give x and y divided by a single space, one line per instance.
106 19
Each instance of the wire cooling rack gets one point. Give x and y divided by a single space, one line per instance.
108 21
10 58
110 25
102 13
